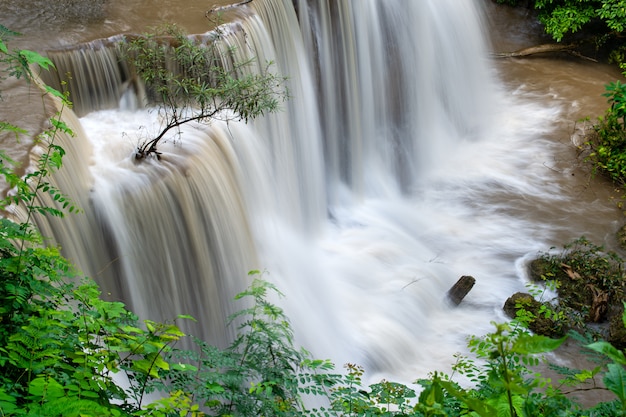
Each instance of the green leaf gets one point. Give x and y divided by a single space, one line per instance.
61 126
184 367
432 394
46 387
146 367
214 387
587 374
530 344
609 350
7 403
481 408
54 92
33 57
615 380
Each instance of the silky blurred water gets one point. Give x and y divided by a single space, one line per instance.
405 159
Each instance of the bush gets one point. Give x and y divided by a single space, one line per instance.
607 143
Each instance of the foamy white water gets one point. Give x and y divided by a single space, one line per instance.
370 286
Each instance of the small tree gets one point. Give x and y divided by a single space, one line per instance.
588 24
195 82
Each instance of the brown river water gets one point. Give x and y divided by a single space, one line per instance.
567 86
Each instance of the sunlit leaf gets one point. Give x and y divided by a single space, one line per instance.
531 344
615 380
609 350
36 58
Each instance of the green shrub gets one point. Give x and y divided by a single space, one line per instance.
588 279
607 143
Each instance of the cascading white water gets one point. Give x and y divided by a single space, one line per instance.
392 74
396 167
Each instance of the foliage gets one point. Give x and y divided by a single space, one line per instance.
568 16
616 93
565 17
587 279
199 82
607 143
505 382
260 373
615 376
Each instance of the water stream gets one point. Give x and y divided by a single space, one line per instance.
405 159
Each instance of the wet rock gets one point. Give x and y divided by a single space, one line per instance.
460 289
537 269
523 306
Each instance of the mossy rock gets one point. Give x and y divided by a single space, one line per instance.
575 294
591 287
538 269
578 290
538 323
572 292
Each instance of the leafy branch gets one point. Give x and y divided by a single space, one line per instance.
195 82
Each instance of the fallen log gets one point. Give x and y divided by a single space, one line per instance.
548 48
457 293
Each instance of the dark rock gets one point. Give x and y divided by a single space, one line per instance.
460 289
533 315
537 269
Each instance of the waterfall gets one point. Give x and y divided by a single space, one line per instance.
364 199
397 70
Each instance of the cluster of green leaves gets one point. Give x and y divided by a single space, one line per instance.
567 16
615 376
260 373
588 279
505 383
195 82
590 264
563 17
607 143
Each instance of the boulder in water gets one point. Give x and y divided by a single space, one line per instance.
457 293
532 311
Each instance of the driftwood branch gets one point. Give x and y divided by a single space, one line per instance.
549 48
228 7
